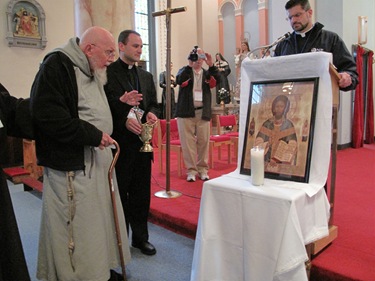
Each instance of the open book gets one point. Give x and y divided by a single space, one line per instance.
285 152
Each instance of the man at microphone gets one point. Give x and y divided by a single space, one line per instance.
311 37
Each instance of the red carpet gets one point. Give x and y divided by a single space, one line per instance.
350 257
181 214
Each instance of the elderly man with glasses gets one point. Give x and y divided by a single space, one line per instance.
73 124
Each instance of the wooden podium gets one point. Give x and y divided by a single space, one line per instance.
319 245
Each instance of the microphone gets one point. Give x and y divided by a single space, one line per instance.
280 39
277 41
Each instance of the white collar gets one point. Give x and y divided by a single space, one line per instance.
303 34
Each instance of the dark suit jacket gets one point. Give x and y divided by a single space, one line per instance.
117 84
12 259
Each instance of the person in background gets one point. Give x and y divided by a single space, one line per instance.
163 85
311 37
12 259
133 166
224 70
72 123
193 111
245 53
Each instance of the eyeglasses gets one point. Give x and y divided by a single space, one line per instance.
108 53
298 15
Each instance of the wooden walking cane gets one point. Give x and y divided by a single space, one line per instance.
114 207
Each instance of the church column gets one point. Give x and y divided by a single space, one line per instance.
239 27
221 34
263 21
113 15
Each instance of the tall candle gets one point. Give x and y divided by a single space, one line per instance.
257 165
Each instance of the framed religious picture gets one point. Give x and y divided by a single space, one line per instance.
280 119
26 24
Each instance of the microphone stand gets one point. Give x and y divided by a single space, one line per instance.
268 47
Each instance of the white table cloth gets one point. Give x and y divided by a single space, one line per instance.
259 233
256 233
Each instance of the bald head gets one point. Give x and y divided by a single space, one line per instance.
96 35
98 45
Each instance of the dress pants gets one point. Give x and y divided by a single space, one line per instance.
195 139
133 172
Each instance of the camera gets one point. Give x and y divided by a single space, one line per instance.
194 56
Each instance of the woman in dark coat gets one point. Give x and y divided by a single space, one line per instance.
12 259
224 71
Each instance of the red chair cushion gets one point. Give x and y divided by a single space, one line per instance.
219 138
232 134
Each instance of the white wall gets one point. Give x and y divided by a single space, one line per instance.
19 65
197 26
345 23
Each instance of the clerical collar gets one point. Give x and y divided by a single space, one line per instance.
127 66
303 34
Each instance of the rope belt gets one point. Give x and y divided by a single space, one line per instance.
72 210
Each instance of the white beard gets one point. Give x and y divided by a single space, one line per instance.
100 75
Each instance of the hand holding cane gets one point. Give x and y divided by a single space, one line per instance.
114 207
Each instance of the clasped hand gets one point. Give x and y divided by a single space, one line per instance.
134 126
345 80
105 141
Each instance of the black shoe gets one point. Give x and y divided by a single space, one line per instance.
146 248
116 276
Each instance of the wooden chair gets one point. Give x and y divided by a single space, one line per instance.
175 144
228 121
219 141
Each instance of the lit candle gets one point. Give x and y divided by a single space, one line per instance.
257 165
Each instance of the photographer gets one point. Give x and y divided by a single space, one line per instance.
193 111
